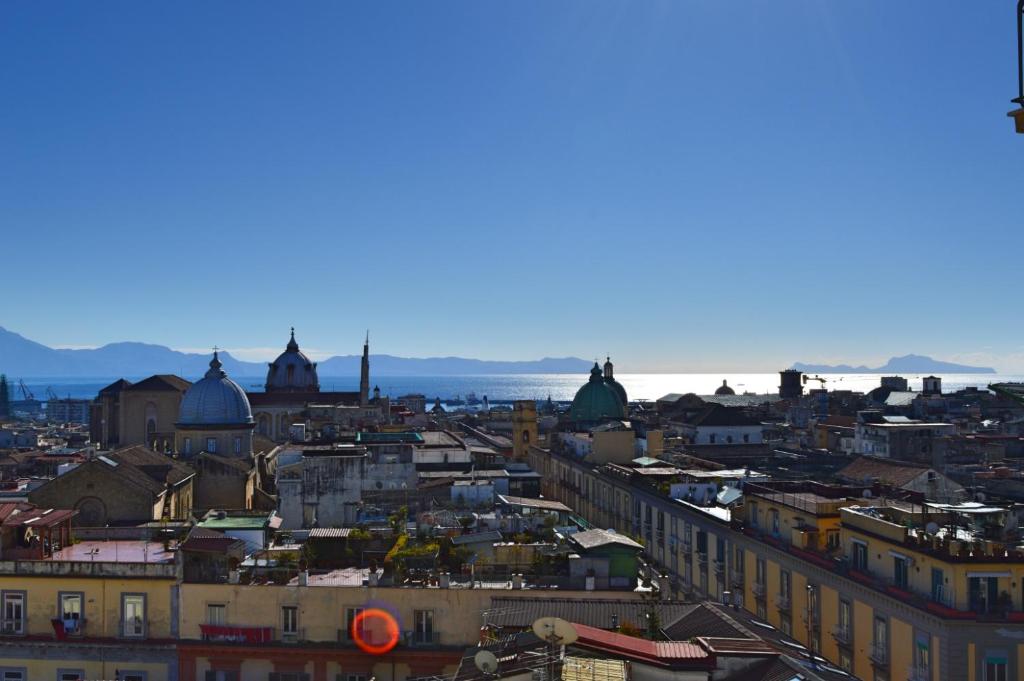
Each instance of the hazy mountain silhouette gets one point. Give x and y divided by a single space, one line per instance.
910 364
24 358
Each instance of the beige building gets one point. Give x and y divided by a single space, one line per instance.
142 413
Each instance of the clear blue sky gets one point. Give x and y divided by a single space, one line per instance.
686 185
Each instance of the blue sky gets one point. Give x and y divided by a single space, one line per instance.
686 185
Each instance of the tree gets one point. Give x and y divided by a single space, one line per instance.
5 397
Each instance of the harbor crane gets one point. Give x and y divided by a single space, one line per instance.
25 392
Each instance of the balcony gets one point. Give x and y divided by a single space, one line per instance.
879 654
842 635
421 639
919 673
719 567
702 558
293 636
783 602
12 627
226 633
759 590
736 578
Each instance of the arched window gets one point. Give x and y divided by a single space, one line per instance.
151 421
526 437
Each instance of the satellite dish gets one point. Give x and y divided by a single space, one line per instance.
554 630
932 528
867 494
486 662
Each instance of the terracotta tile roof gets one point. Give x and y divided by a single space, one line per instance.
159 382
662 653
888 472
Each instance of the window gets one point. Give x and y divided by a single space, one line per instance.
288 676
133 615
880 645
759 574
786 625
711 439
860 556
832 539
845 660
70 675
746 437
215 613
13 674
14 612
899 572
845 619
922 659
350 677
238 445
69 609
995 668
775 522
753 514
290 621
211 445
424 620
188 445
350 618
784 585
221 675
131 676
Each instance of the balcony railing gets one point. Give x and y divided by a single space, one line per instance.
759 590
783 602
879 653
719 567
736 578
421 638
919 673
842 635
227 633
12 627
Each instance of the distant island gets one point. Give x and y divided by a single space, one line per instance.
24 358
912 364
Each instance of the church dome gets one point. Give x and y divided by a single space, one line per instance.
725 389
609 378
597 400
214 400
292 371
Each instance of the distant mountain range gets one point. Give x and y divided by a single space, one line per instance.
909 364
23 358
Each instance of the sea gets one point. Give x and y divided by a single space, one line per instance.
500 388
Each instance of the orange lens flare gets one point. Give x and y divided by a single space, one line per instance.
375 631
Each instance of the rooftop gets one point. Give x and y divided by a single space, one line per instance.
117 551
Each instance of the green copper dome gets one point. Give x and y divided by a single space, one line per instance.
597 400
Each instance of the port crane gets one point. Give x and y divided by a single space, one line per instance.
25 392
814 378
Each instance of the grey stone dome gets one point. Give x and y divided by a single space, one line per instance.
292 371
214 400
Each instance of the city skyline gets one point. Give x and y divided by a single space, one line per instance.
681 186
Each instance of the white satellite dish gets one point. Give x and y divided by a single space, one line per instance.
486 662
555 631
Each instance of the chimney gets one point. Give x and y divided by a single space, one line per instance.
444 580
304 578
517 581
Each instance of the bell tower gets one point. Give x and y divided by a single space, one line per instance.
524 428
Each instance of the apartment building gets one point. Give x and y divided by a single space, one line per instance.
885 589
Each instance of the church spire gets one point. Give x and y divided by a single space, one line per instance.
364 372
